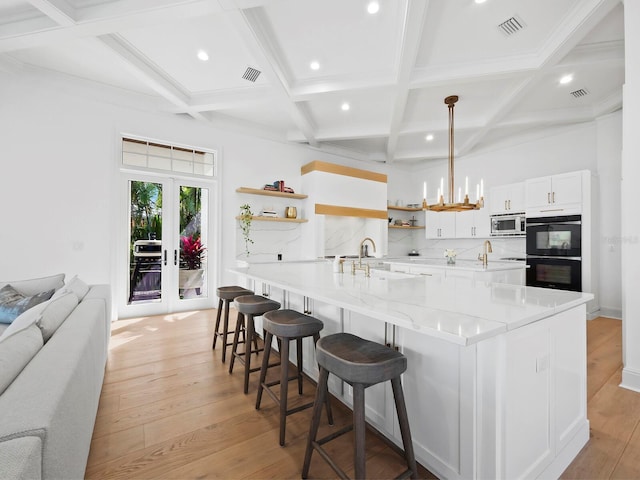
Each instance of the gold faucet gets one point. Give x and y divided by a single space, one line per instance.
485 256
364 267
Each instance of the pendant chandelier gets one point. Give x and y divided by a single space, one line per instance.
451 206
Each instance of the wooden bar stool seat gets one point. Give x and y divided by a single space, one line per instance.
226 295
249 307
287 325
361 363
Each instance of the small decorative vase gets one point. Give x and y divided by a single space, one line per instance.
451 260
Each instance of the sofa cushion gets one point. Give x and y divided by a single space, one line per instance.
54 313
21 458
33 286
76 286
13 303
16 351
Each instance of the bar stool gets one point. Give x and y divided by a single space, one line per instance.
226 295
248 307
287 325
360 363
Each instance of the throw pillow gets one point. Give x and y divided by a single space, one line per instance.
76 286
25 319
36 285
13 303
16 351
55 313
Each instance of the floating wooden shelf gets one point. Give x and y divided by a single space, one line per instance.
406 227
276 219
269 193
404 209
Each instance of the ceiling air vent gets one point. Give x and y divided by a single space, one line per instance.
251 74
511 26
580 93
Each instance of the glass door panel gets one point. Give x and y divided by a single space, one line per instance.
145 242
193 224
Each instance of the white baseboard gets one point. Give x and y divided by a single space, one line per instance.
630 379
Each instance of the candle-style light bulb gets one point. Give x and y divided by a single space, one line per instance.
441 186
466 185
424 191
481 188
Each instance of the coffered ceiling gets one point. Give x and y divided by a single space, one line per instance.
393 68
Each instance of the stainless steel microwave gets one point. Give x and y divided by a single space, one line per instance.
508 225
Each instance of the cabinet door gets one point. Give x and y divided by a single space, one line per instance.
432 225
538 192
566 188
447 224
499 199
482 221
516 201
465 224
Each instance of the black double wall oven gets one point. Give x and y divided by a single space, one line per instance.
554 252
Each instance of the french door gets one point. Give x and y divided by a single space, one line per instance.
167 246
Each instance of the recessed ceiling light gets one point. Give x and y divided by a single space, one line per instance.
202 55
566 79
373 7
314 65
429 137
480 1
345 106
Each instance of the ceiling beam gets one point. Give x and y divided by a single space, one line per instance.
102 19
253 28
57 10
148 73
413 22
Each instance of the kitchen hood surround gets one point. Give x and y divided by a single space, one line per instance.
348 204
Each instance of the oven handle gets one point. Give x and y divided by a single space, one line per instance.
546 224
552 257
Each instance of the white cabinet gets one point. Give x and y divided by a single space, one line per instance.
555 194
473 224
440 225
507 199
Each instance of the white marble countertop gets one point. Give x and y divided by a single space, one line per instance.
461 264
459 310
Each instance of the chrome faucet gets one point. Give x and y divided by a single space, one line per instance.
485 256
364 267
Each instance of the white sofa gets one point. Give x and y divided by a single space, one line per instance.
48 411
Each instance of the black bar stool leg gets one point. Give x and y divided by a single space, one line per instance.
403 420
359 430
299 360
234 347
215 330
315 419
251 333
263 370
284 387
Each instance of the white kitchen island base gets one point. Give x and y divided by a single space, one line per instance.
504 398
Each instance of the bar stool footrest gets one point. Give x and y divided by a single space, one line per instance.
327 458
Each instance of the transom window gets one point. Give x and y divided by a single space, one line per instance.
156 156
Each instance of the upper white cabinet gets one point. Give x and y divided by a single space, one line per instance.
473 224
557 194
440 225
507 199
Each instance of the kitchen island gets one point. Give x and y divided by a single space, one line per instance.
496 378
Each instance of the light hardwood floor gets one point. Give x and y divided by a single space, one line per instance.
169 409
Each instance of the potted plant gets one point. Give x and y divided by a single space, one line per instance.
246 216
192 254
